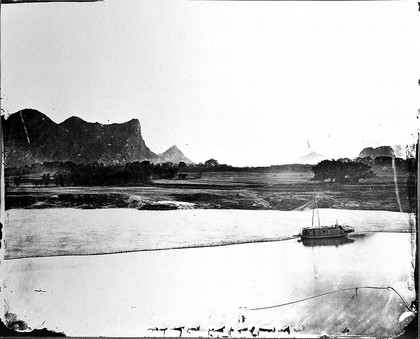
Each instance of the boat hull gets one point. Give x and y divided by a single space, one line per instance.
324 237
326 242
325 232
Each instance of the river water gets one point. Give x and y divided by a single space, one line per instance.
126 294
68 231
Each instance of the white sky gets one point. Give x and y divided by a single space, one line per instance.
247 83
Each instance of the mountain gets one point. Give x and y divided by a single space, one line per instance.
404 151
311 158
30 136
381 151
174 155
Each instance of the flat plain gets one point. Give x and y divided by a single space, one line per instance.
283 191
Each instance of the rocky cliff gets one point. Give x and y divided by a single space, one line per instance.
382 151
30 136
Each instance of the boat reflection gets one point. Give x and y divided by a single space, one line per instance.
326 241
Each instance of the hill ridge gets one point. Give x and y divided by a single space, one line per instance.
74 139
175 155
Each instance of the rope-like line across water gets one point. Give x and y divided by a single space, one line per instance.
331 292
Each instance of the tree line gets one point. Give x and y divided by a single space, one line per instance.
341 171
212 165
96 174
347 170
68 173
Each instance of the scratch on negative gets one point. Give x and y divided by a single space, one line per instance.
24 127
397 191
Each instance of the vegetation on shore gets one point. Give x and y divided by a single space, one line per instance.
210 185
71 174
67 173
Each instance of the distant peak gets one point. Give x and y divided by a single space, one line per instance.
173 148
73 121
387 151
310 158
31 111
77 120
74 118
30 114
133 122
314 154
175 155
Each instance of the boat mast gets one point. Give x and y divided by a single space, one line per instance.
313 211
317 212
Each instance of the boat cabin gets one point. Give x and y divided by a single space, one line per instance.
323 232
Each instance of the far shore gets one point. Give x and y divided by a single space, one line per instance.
247 191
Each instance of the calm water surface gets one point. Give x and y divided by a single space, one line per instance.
125 294
66 231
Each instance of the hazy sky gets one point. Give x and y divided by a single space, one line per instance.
247 83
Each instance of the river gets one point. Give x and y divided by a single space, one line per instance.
51 281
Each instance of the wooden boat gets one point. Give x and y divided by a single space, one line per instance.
322 242
324 232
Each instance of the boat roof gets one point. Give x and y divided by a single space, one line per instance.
322 227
